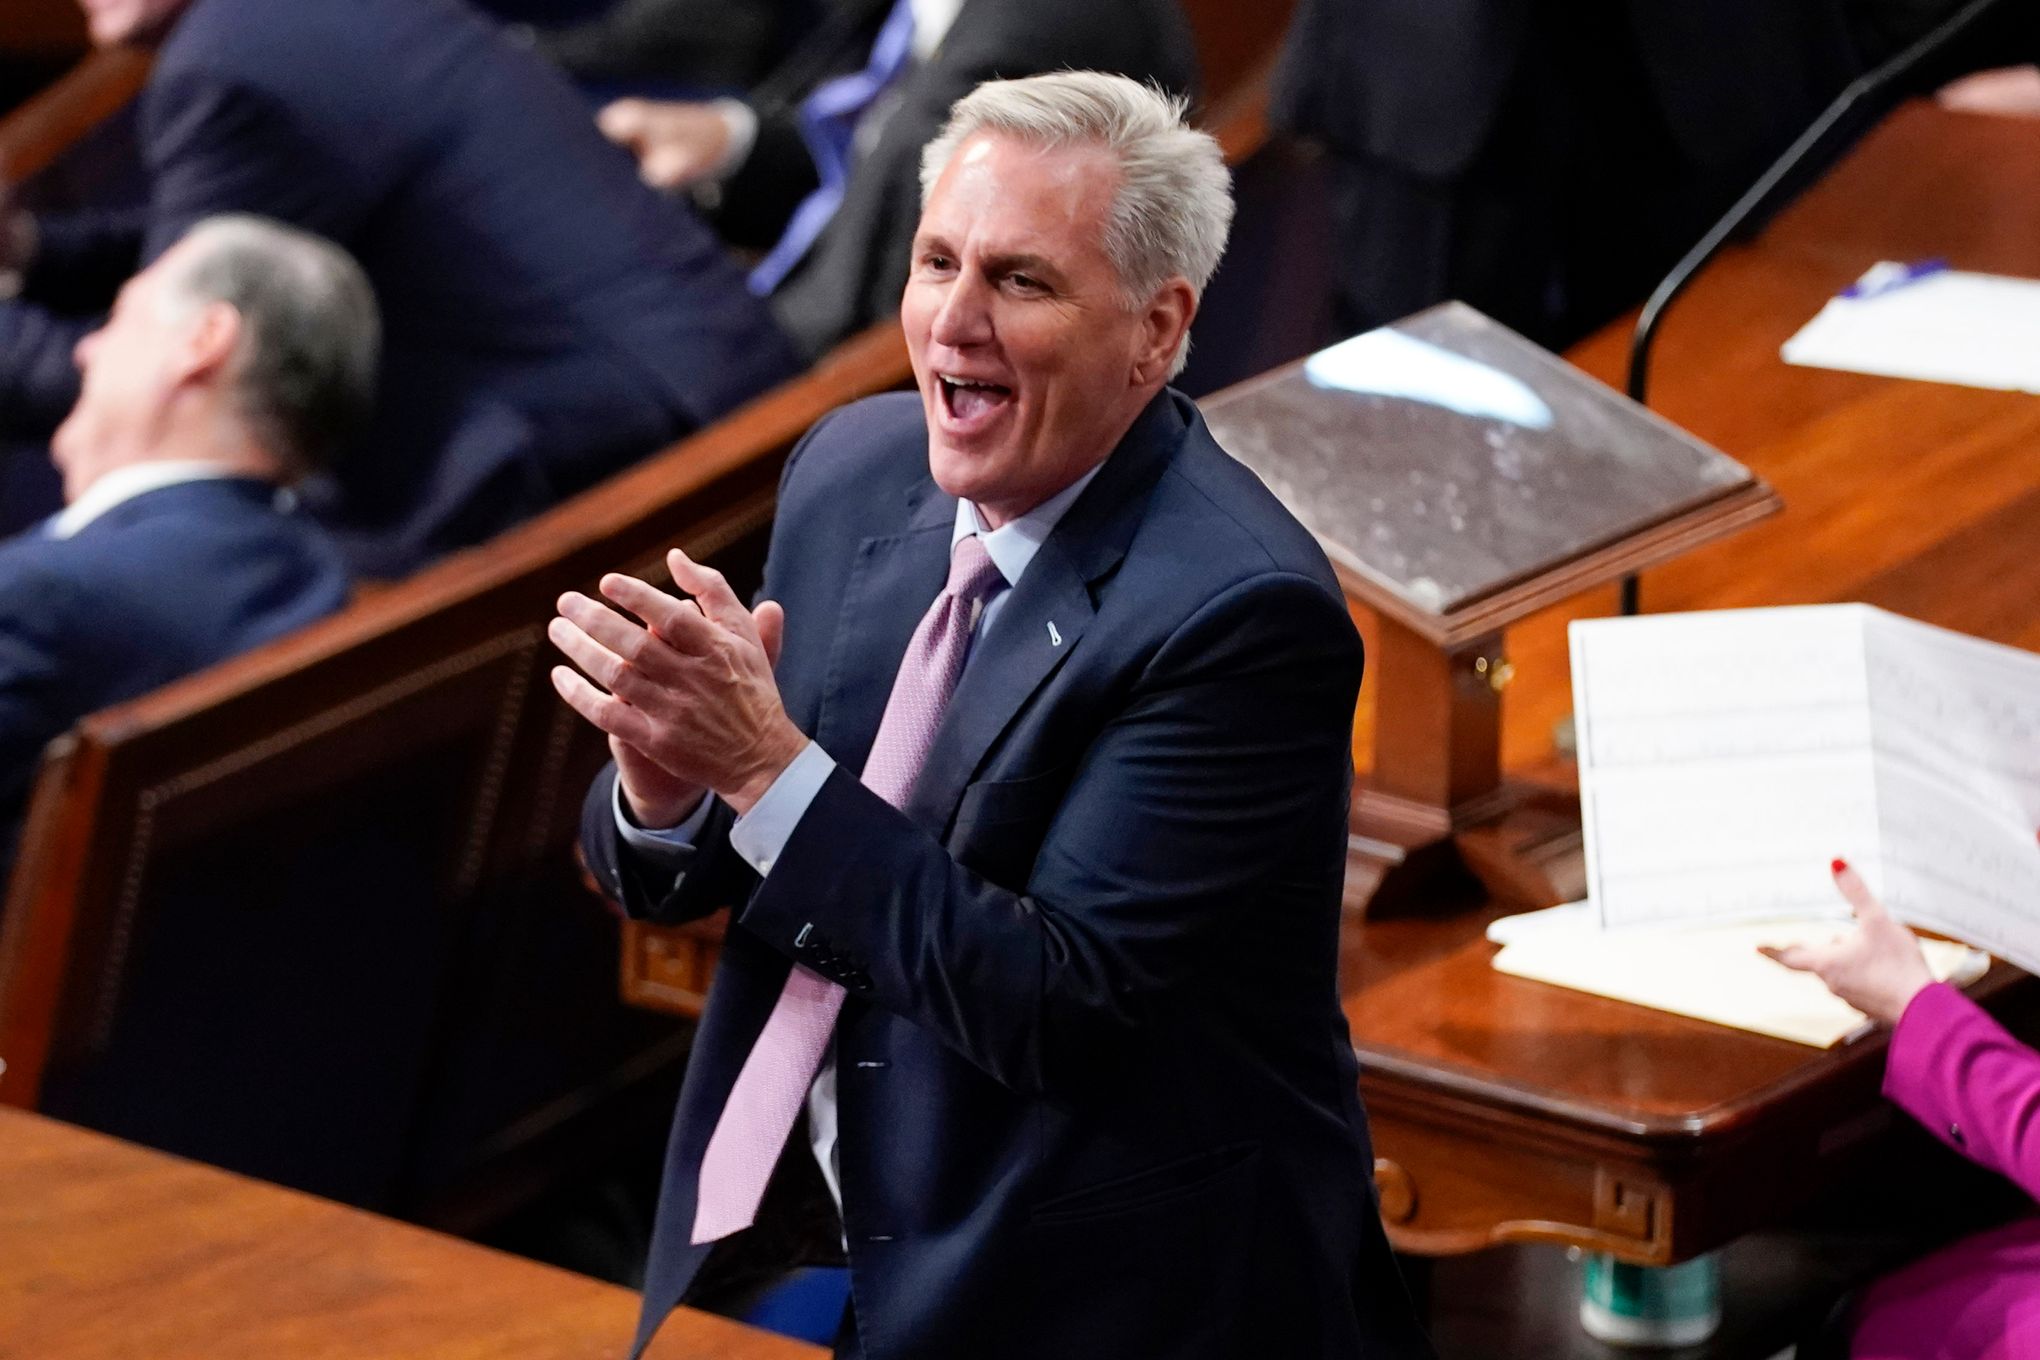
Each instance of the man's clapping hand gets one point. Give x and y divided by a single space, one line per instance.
685 691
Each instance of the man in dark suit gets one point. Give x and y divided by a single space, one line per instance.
1062 964
697 45
759 162
229 368
549 318
1544 162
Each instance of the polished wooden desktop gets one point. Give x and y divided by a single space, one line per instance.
1510 1111
110 1249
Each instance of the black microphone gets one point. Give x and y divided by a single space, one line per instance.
1869 95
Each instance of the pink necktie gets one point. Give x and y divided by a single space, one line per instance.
774 1082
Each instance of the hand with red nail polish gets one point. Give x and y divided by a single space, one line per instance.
1877 966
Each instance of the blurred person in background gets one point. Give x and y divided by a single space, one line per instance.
1548 163
701 46
549 319
818 168
233 367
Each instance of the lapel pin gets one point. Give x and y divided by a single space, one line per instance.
1054 638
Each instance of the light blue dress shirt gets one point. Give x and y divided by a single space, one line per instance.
762 833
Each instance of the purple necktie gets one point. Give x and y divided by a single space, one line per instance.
828 124
774 1082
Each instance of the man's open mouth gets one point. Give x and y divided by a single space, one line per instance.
970 402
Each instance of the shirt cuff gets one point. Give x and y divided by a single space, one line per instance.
659 846
762 833
740 121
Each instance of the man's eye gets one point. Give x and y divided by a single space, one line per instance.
939 264
1026 283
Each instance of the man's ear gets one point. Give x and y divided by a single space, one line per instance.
210 341
1168 318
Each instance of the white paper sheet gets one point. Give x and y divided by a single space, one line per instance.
1726 758
1979 330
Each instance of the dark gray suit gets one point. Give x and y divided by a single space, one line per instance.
1544 161
546 317
855 271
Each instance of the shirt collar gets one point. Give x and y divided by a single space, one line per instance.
123 484
1013 544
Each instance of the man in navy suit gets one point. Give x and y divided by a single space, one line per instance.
229 368
549 318
1087 1090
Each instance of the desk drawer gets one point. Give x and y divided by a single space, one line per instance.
1457 1183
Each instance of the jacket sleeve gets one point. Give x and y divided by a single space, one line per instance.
754 203
1971 1084
1204 814
217 146
38 381
681 884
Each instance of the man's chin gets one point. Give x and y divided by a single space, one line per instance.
957 472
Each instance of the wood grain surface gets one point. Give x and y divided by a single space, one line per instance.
113 1251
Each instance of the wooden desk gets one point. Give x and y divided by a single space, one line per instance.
110 1250
1505 1110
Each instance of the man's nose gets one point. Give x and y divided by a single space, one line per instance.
965 317
82 351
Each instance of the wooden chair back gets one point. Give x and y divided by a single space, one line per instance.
55 119
313 913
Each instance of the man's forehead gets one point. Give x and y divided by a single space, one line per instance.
1004 188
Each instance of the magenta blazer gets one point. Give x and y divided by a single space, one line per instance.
1977 1089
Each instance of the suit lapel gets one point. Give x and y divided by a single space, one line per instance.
1039 627
891 583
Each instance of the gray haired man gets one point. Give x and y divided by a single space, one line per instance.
1027 781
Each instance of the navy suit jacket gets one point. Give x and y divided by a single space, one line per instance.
547 317
1096 1093
157 587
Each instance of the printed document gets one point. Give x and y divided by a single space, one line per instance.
1727 757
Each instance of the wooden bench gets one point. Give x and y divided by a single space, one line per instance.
313 914
33 136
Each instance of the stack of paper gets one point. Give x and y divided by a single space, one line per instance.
1710 973
1940 325
1727 758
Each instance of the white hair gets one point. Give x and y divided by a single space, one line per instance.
1173 205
